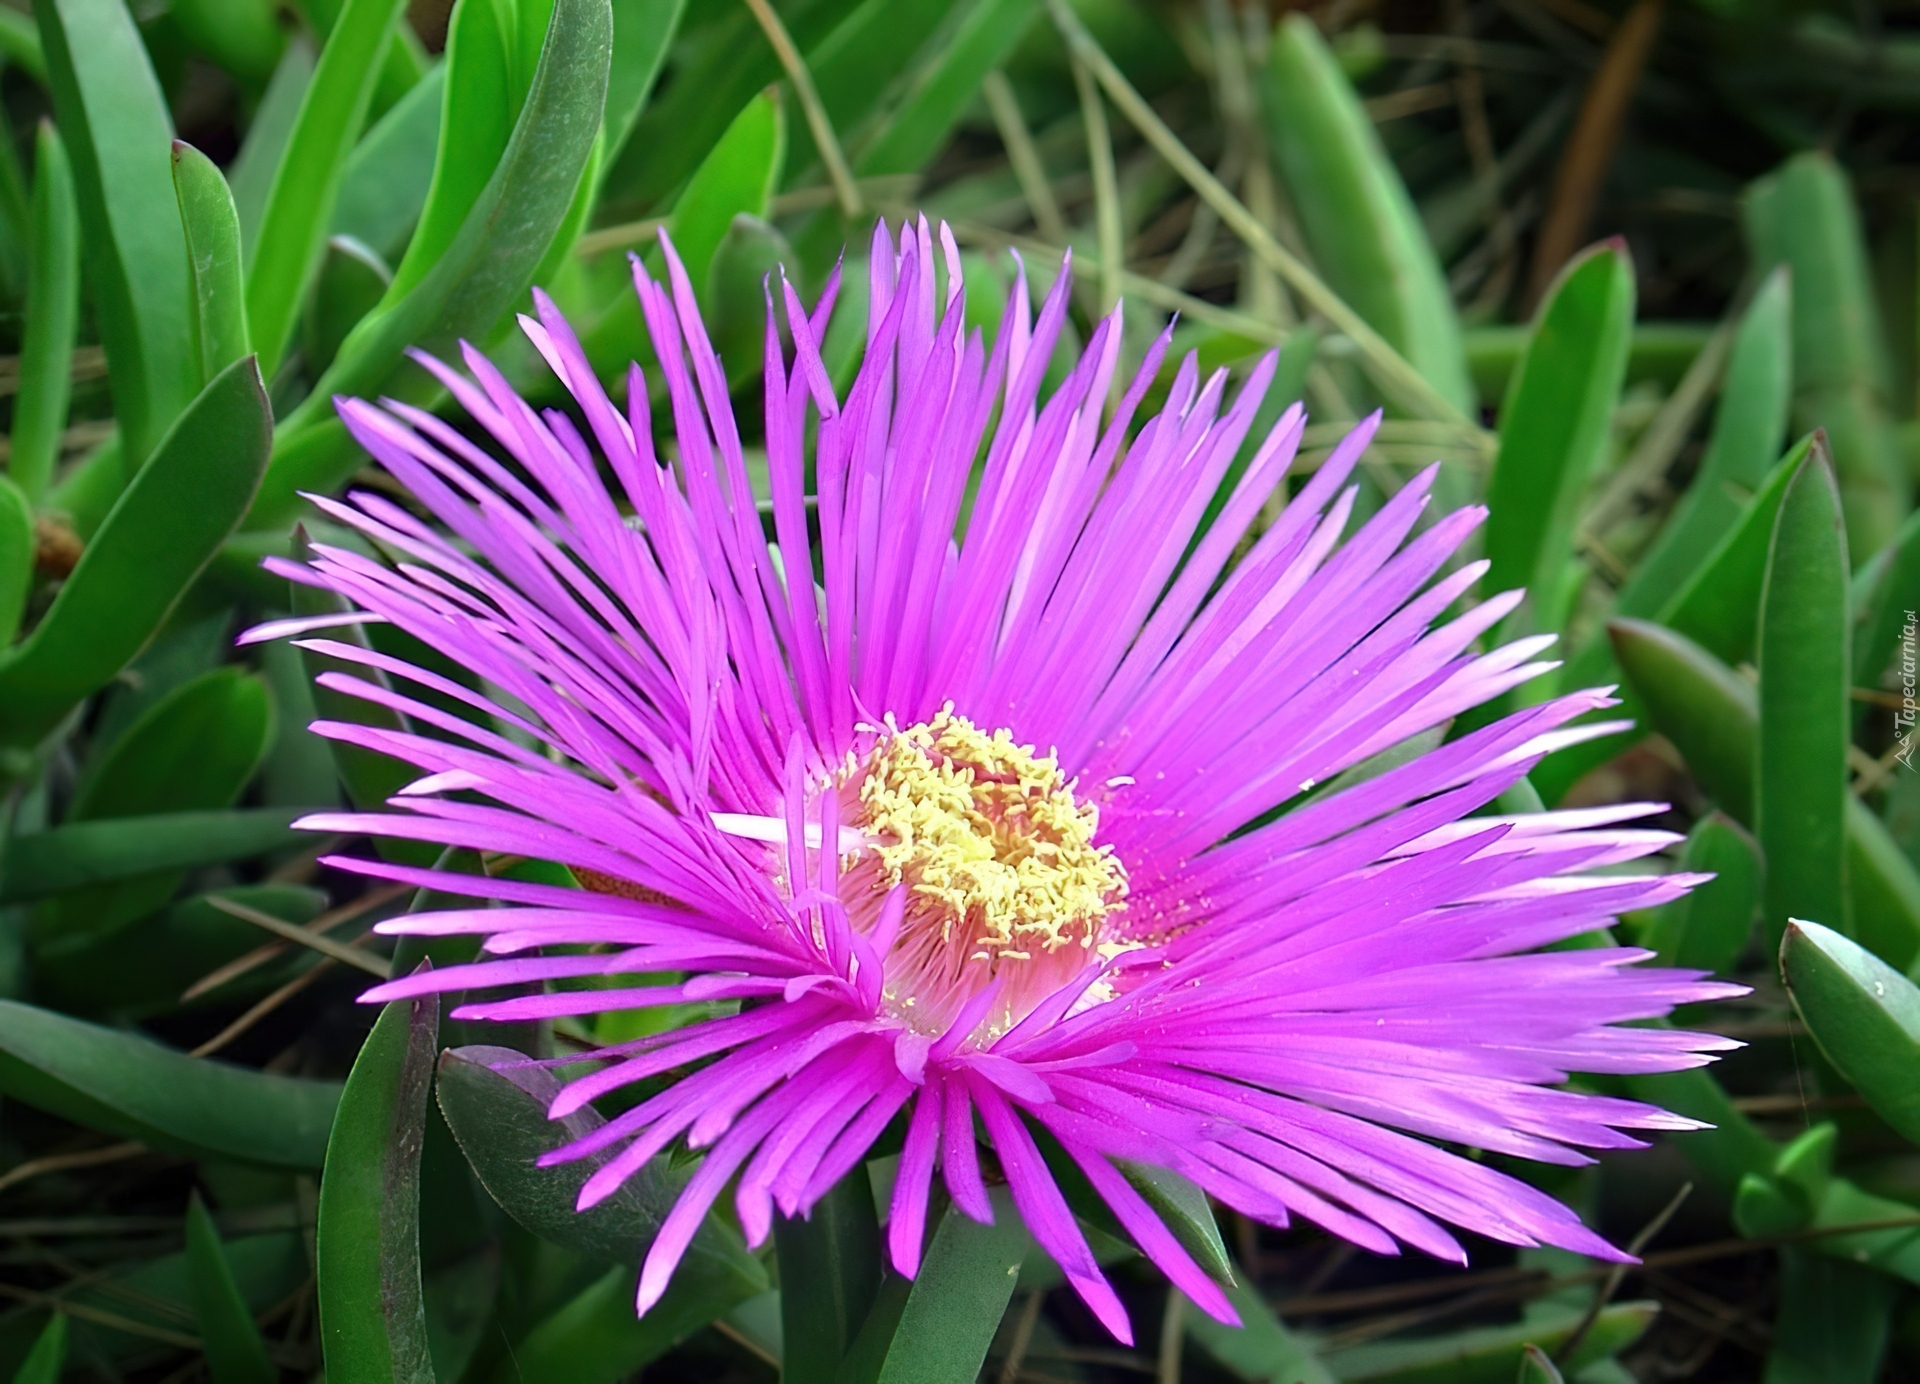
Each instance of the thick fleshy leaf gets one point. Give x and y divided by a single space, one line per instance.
1800 785
373 1324
1719 606
1883 888
118 134
829 1272
121 1084
1367 240
49 1354
213 248
1804 215
731 66
234 1350
53 315
1894 1249
403 68
387 176
159 1292
1261 1348
72 857
1187 1213
595 1339
293 228
351 280
1697 702
736 180
252 172
1748 429
194 750
1882 593
1555 425
1864 1014
1833 1322
1494 1352
1711 715
496 1102
735 295
16 557
643 31
972 41
165 527
475 123
738 177
1708 928
484 268
936 1327
142 971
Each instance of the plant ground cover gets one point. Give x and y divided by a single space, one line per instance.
1642 278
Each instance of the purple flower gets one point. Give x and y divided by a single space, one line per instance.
974 815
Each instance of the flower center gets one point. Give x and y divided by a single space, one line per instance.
1004 879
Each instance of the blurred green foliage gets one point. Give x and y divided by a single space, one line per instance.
1699 448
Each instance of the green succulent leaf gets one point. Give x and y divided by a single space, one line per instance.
16 558
1697 702
252 172
935 1329
49 1354
1367 240
350 284
594 1337
213 246
483 269
235 1352
140 972
1708 928
1833 1324
972 40
1261 1348
243 37
373 1324
1719 606
53 316
117 130
1800 783
1711 715
830 1270
20 45
1495 1352
643 31
1803 215
1883 591
130 1086
737 178
299 208
195 749
495 1102
1556 425
162 531
40 864
1748 429
387 176
1864 1014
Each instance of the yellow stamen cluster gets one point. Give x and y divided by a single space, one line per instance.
988 837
